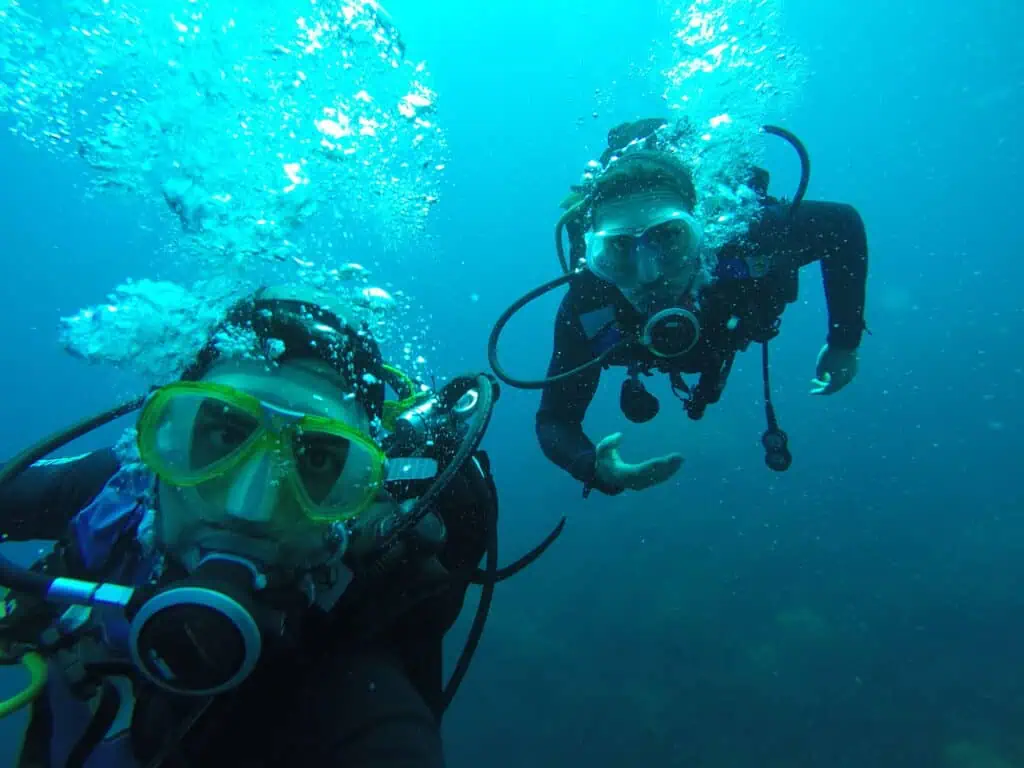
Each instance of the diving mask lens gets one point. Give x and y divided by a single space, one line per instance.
338 472
665 250
191 433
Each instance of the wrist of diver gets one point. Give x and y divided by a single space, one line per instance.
845 336
594 481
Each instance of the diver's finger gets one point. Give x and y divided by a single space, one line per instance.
608 444
658 470
819 387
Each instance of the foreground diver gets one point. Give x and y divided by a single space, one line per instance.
645 295
264 574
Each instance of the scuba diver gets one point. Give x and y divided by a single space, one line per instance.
647 295
261 573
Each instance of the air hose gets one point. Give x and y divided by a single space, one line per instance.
35 665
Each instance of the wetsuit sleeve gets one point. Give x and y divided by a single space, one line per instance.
39 503
832 233
563 404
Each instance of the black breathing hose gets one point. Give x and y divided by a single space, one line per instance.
805 163
499 326
483 610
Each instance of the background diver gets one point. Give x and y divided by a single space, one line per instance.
645 295
263 576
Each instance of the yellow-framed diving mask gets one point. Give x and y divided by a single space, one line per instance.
194 433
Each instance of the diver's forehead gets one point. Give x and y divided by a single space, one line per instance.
637 212
307 386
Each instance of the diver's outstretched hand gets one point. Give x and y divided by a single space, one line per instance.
613 472
834 370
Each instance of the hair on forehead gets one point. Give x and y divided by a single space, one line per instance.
645 172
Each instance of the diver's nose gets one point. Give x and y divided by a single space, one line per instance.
253 493
648 268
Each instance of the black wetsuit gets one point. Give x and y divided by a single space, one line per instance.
754 282
373 703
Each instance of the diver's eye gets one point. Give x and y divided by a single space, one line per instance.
672 235
222 432
621 245
218 431
320 461
225 438
321 456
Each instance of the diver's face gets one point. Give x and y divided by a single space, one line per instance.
252 509
647 245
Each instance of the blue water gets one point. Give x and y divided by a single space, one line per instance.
866 608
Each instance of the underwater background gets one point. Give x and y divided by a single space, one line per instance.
865 608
